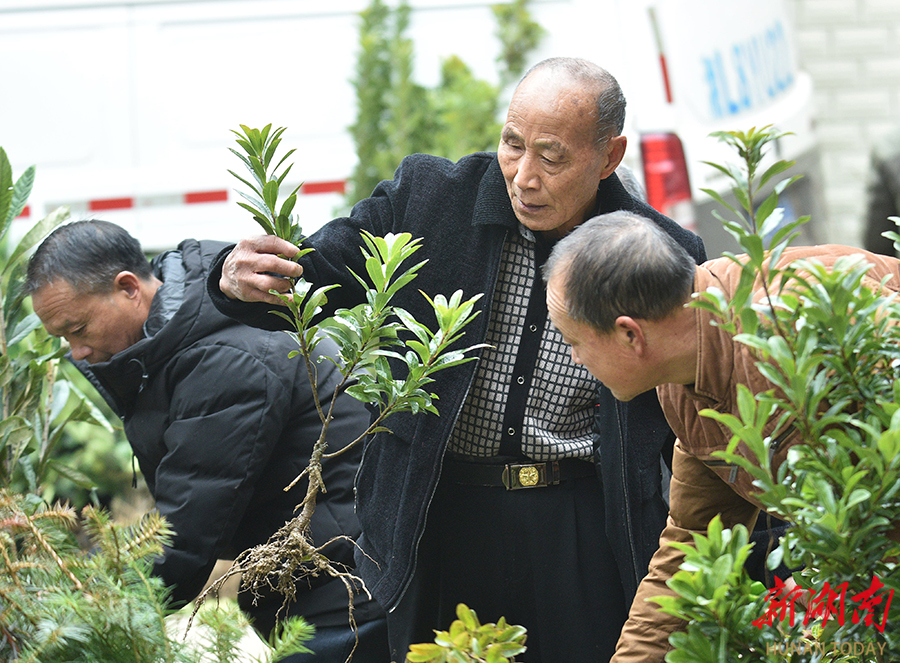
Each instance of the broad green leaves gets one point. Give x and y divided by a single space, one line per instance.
470 641
371 336
828 340
387 359
716 596
367 334
36 403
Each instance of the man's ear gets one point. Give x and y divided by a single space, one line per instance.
129 283
630 333
615 152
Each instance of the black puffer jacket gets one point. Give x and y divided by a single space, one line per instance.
221 421
462 213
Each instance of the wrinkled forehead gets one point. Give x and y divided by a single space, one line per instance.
59 306
563 97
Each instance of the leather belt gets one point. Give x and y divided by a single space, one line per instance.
514 476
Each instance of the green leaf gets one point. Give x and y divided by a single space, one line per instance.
35 235
61 391
88 411
857 497
422 350
789 232
889 442
775 169
784 184
21 191
280 178
467 616
252 187
270 196
424 653
259 217
6 189
259 171
16 435
288 205
24 328
281 161
764 211
270 151
78 478
719 199
726 170
743 198
257 139
375 269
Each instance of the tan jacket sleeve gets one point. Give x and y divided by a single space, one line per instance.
697 494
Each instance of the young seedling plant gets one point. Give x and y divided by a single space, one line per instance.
368 336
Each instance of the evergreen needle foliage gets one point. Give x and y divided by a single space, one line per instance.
61 604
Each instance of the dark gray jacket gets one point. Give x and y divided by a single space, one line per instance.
462 213
221 421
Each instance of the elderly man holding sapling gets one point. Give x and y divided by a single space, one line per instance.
499 503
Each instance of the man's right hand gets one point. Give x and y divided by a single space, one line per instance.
257 265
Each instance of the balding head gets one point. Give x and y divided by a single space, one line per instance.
620 264
601 88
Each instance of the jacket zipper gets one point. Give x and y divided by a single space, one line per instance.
732 477
415 559
628 527
778 441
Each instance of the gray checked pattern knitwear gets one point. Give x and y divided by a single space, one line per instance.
558 414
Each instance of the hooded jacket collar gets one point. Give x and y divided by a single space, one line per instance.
178 313
168 268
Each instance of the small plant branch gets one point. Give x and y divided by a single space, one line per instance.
367 338
48 408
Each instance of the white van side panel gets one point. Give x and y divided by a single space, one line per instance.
127 108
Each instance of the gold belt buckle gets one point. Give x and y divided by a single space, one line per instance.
533 475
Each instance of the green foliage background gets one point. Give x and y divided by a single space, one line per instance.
397 116
75 586
828 342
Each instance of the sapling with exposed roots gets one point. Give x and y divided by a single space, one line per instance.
368 336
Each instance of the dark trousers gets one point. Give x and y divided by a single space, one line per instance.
538 557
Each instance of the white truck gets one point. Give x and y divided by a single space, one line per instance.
126 107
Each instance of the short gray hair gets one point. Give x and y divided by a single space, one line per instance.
620 264
87 255
608 97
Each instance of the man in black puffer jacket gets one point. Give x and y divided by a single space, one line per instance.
219 418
